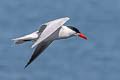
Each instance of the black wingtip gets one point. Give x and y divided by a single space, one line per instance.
26 65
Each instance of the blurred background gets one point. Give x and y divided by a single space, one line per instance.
97 58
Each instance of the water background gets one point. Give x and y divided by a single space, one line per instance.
97 58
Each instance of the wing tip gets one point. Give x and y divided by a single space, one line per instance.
26 65
67 17
29 62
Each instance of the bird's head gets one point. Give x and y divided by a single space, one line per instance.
77 32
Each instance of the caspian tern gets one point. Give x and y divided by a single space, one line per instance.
48 32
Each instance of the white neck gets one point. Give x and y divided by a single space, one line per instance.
65 32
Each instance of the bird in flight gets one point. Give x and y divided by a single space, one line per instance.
48 32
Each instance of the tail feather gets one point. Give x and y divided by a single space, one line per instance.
25 38
19 41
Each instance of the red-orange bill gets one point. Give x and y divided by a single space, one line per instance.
83 36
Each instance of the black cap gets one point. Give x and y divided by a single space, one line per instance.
74 29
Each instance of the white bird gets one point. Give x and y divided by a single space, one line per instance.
48 32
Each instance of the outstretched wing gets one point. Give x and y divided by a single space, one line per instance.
52 26
42 28
40 48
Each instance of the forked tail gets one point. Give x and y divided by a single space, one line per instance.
29 37
19 41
